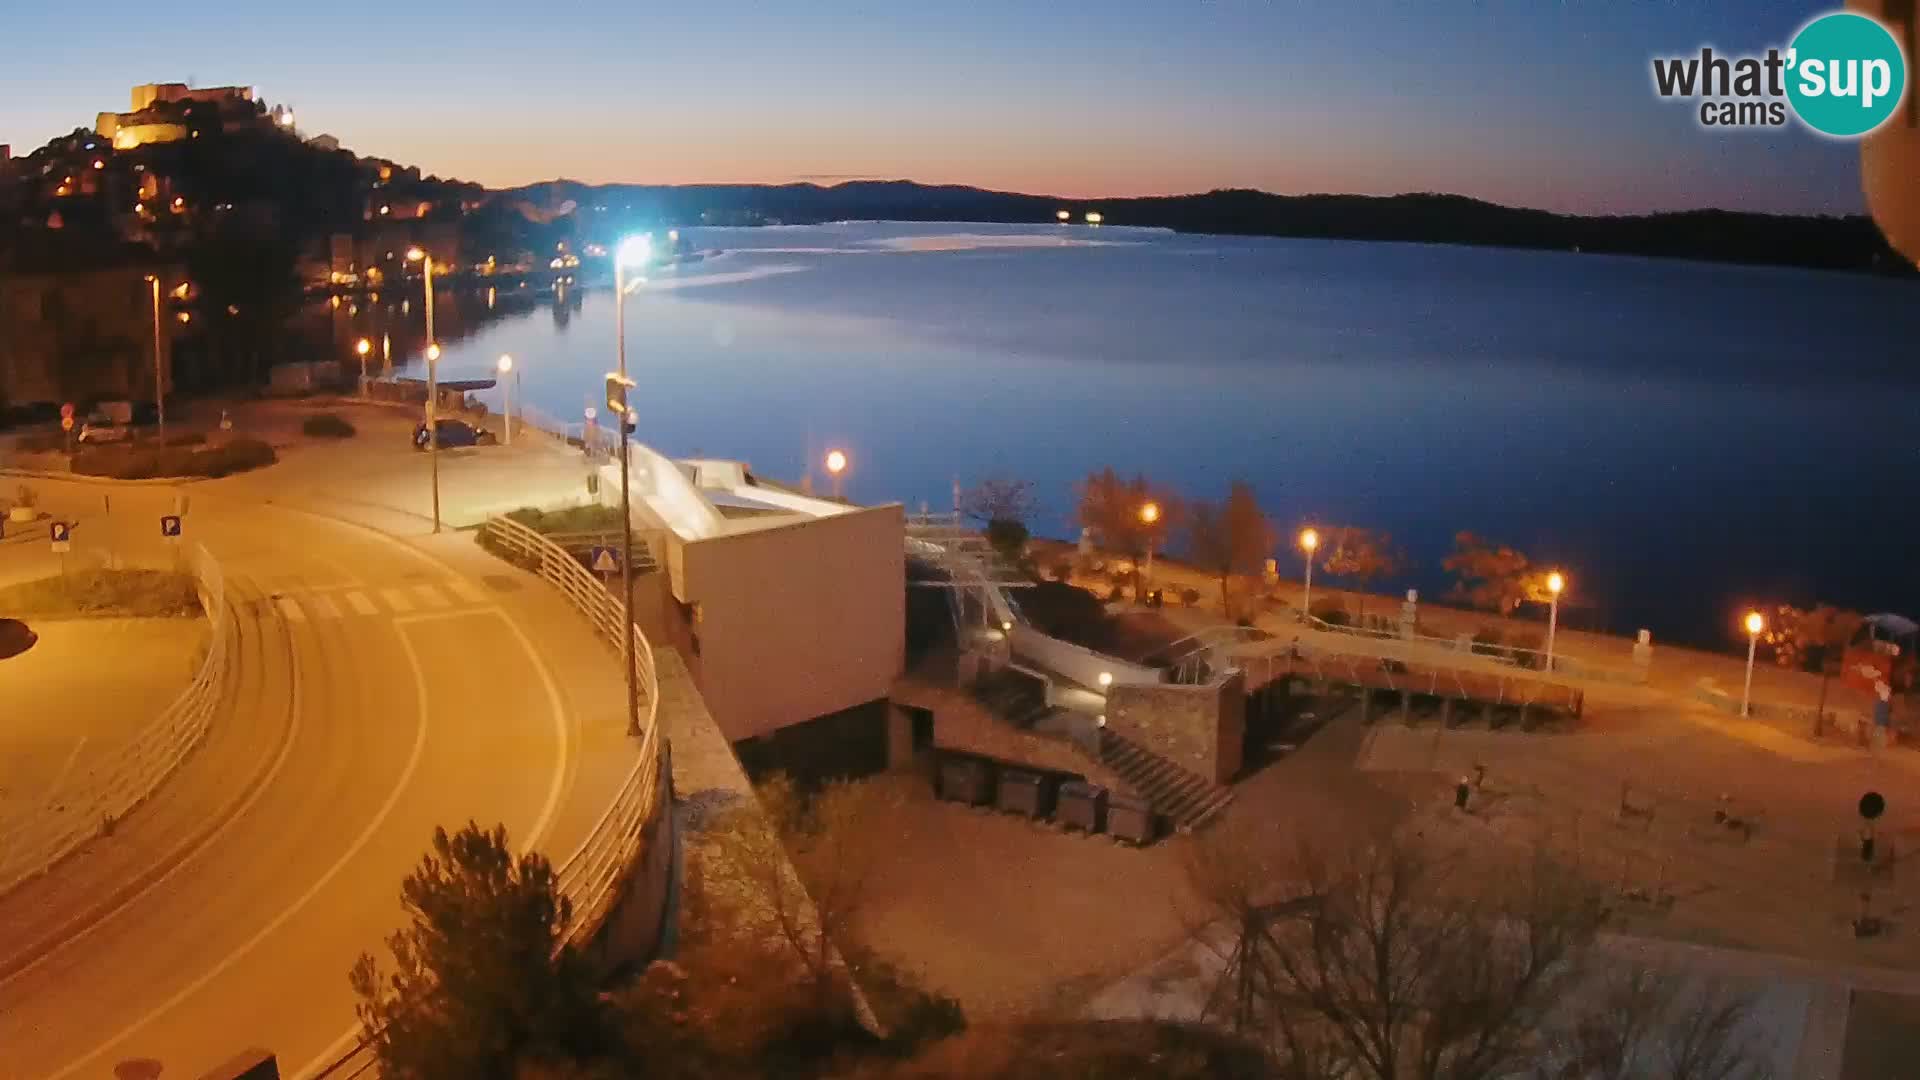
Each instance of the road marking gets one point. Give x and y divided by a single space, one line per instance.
68 767
430 597
323 607
232 958
468 591
340 1046
289 609
396 599
360 604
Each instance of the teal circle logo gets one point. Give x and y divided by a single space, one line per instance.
1845 75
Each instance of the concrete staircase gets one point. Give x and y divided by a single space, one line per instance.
1186 800
1018 699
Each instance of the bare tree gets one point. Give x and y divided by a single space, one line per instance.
1637 1023
998 498
1230 538
1112 509
807 865
1361 556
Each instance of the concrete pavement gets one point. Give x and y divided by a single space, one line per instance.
415 683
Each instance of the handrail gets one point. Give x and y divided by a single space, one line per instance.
590 878
77 812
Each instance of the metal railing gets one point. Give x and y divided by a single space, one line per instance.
590 878
90 804
1490 652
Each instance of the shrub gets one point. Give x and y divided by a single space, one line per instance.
1528 650
1487 640
1190 596
1332 612
1009 538
148 462
1063 570
327 426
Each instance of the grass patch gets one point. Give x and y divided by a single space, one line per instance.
101 593
327 426
150 462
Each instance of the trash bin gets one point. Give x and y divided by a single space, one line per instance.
1022 793
1130 819
1081 806
965 780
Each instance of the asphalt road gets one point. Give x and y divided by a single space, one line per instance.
407 699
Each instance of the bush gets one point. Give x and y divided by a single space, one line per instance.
1063 570
1008 538
327 426
149 462
1190 596
1487 641
1332 612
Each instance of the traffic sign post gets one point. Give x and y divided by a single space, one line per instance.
170 527
604 561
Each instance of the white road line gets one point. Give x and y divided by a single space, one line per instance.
232 958
289 609
360 604
467 590
323 607
396 599
351 1038
61 776
430 597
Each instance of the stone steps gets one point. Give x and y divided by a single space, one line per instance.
1187 800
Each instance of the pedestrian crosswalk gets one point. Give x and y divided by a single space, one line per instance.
303 605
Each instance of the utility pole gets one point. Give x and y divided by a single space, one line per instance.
625 408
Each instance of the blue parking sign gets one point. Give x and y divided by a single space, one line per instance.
58 532
170 525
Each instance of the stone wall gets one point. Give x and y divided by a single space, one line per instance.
1199 728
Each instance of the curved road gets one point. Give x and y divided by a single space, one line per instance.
403 697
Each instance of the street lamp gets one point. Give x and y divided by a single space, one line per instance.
1555 583
159 379
836 465
1755 623
633 251
1309 541
1149 516
363 347
506 368
433 383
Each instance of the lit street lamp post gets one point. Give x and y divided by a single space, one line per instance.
836 467
506 368
1149 516
1755 623
1309 541
633 251
1555 583
159 379
363 347
433 383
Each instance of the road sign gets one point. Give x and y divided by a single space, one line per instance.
170 526
61 534
603 560
66 411
1872 805
66 423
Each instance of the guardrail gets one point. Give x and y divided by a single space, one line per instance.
77 812
590 878
1510 655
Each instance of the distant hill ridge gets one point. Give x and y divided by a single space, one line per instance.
1835 243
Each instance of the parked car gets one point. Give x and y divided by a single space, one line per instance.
92 433
452 433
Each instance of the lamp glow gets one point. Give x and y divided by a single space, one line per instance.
363 346
1150 513
1555 583
634 250
433 352
1755 622
1106 679
836 462
506 363
1309 539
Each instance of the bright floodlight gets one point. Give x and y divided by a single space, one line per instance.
414 254
363 346
433 352
1555 583
634 250
1309 539
1150 513
506 363
1755 622
1106 678
836 462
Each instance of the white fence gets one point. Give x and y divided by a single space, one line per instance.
104 792
1532 659
590 878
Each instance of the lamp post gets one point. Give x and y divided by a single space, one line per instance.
1309 542
1555 583
506 368
836 467
633 251
433 383
1755 623
363 347
159 378
1149 517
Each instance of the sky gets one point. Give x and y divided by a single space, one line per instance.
1536 103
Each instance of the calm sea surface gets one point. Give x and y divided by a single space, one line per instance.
1683 438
